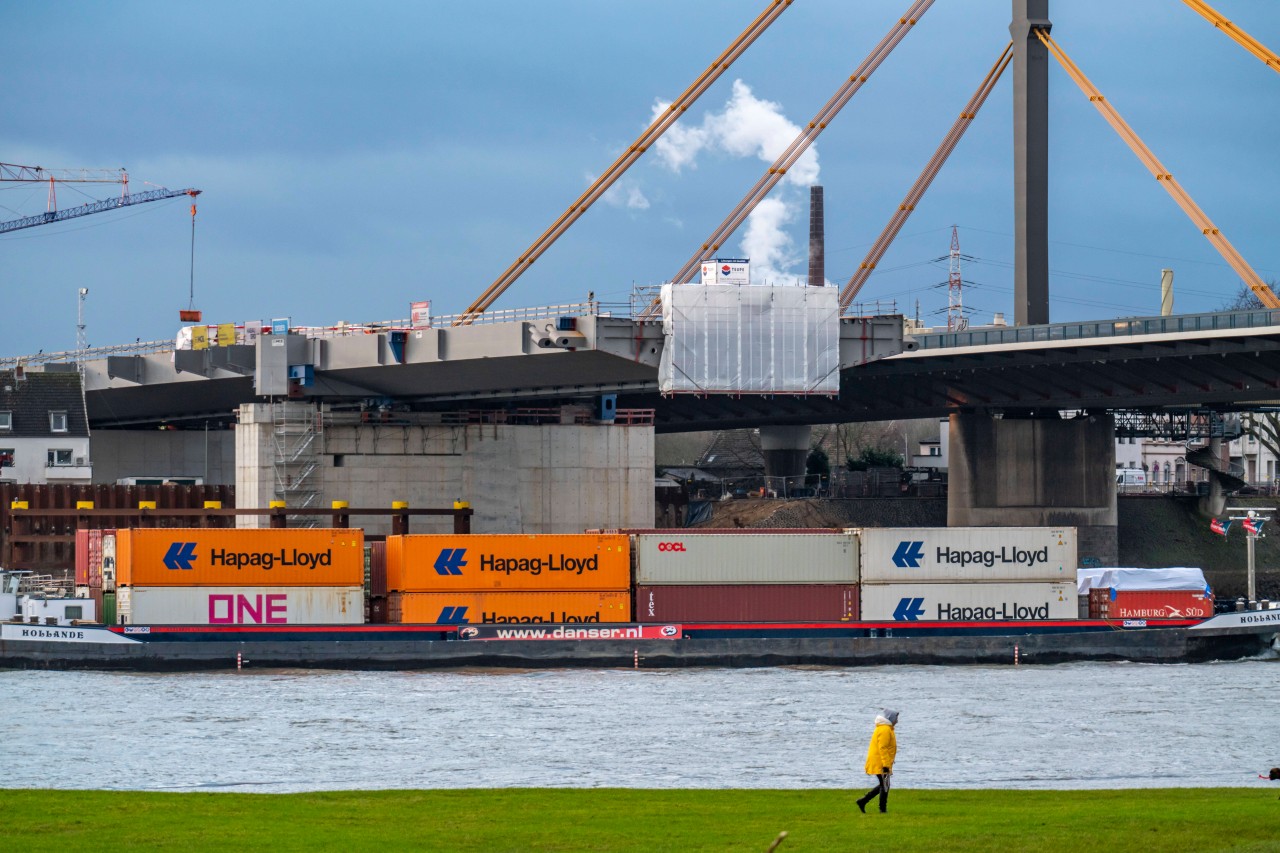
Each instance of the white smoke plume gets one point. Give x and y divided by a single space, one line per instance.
750 127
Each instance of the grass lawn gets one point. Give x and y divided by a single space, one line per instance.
1181 819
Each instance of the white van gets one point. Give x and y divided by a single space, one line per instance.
1131 477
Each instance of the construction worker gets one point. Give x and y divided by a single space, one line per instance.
880 755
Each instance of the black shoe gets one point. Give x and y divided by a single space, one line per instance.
862 807
882 811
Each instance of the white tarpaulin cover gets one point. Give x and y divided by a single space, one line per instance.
755 339
1141 579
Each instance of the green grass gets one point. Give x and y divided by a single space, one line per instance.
616 819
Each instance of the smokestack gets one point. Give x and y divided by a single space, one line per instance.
817 239
1166 292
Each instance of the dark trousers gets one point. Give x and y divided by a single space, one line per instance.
881 790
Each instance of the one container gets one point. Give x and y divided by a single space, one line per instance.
1107 603
677 557
251 605
914 554
239 557
377 568
969 602
461 608
108 559
109 608
89 558
747 603
478 562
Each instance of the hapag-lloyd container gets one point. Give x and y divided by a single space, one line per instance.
462 608
913 554
679 557
968 602
1106 603
240 605
477 562
756 602
239 557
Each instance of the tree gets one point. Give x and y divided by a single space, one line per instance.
1245 299
818 463
871 457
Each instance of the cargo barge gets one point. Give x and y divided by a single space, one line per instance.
186 599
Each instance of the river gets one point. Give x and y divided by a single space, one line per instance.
1095 725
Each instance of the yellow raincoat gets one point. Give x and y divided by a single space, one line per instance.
883 748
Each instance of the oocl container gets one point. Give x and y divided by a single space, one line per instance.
747 603
913 554
256 605
968 602
560 562
677 557
463 608
239 557
1149 604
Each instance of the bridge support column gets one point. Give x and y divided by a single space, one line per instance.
785 449
1045 472
1030 163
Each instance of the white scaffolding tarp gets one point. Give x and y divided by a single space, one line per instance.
753 339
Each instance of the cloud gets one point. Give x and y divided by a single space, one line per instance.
624 194
748 126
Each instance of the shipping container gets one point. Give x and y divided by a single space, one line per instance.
678 557
108 559
477 562
913 554
1110 603
99 604
239 557
241 605
378 610
89 558
377 584
755 602
968 602
109 608
462 608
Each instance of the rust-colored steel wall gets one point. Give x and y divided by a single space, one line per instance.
559 562
747 603
243 557
460 608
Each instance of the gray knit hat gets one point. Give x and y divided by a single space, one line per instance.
891 716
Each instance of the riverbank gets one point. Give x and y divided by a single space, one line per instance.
524 819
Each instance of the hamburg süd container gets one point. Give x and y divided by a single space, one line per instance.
544 562
463 608
679 557
152 557
755 602
1108 603
968 602
940 554
240 605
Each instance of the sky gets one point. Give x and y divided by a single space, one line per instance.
352 162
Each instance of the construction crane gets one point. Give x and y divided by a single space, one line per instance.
36 174
651 134
1162 175
1242 38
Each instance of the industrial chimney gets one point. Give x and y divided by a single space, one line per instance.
817 241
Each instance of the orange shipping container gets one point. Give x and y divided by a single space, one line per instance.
243 557
544 563
463 608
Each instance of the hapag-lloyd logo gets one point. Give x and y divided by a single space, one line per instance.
671 546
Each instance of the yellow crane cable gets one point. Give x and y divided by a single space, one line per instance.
1163 176
1238 35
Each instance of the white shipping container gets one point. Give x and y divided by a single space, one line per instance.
727 558
968 602
910 554
239 605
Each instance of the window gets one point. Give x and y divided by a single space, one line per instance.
6 457
6 420
58 422
59 457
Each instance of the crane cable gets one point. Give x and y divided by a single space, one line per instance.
1242 38
922 184
651 134
1163 176
801 143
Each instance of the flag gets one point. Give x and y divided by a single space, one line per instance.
1219 528
1251 526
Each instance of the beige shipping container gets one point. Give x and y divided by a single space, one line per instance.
198 556
508 562
678 557
241 605
940 554
462 608
968 602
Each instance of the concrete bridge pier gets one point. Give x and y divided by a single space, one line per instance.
1036 472
785 449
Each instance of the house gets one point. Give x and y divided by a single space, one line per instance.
44 431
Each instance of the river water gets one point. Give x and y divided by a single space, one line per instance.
1090 725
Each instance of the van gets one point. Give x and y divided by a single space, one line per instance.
1131 477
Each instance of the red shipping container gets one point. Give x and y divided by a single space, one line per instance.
82 557
89 558
1150 604
747 603
377 568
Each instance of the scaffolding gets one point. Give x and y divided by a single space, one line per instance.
298 429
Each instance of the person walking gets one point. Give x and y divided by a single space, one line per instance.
880 755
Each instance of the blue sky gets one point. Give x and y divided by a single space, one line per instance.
353 161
